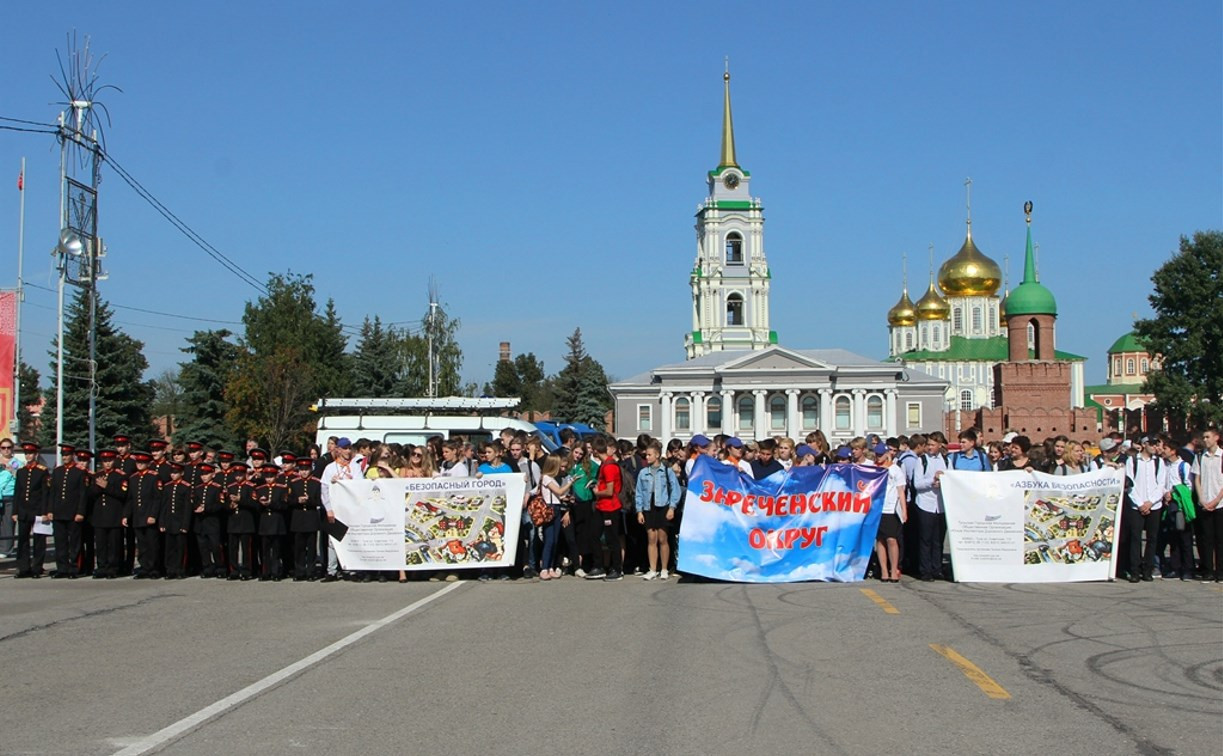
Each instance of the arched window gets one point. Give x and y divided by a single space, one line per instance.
908 341
777 412
1032 335
976 320
713 413
683 414
734 310
810 406
966 400
957 320
1116 366
1129 365
936 336
734 248
1144 366
844 411
874 413
747 413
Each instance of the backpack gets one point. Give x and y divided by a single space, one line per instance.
925 463
628 484
981 460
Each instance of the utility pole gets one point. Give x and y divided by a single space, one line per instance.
15 426
429 332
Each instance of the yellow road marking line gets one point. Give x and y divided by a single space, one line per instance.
983 681
883 603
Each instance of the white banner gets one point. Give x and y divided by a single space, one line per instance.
428 523
1020 527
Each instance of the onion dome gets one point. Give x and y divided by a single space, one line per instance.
969 273
1030 297
1127 343
903 313
932 306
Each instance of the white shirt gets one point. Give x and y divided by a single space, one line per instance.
458 471
1150 481
1178 473
335 472
929 498
1208 474
891 498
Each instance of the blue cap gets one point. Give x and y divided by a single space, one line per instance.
881 448
734 443
842 451
343 442
699 440
803 450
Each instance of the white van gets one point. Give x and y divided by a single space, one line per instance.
413 421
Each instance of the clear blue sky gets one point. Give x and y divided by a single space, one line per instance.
544 160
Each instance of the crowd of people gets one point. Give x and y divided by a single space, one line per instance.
596 508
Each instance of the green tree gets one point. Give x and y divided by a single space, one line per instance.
522 377
167 398
580 388
202 381
378 360
290 355
447 357
27 381
123 397
1187 331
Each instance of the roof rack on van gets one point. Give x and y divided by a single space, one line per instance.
419 405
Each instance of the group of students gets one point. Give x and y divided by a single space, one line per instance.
595 508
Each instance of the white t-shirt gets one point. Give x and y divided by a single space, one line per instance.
891 498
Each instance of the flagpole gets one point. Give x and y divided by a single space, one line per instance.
16 421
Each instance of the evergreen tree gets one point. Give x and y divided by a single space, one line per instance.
447 357
378 360
202 381
27 382
521 377
123 398
580 387
1187 330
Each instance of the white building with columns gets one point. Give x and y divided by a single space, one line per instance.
737 380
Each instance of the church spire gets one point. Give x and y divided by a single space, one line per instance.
968 203
728 127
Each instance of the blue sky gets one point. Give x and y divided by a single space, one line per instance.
543 161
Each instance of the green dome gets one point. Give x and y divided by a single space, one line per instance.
1127 343
1030 298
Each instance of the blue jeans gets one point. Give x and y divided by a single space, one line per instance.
551 533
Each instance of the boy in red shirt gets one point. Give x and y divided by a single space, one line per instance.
608 517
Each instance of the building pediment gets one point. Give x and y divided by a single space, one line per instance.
773 358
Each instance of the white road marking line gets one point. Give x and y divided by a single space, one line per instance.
186 724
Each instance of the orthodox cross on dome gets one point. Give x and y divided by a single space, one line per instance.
968 202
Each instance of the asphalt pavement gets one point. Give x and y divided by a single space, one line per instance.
577 667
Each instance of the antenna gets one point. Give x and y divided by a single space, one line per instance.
429 331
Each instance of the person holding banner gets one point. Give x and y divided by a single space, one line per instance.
931 519
658 493
895 512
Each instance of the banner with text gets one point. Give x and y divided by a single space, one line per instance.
810 523
1021 527
428 523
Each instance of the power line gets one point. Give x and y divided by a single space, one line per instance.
32 131
32 123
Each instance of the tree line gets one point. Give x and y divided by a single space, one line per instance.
261 383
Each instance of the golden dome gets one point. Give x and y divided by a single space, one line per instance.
969 273
932 306
903 313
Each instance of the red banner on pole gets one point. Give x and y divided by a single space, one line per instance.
8 352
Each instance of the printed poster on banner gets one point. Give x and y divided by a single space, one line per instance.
428 523
808 523
1021 527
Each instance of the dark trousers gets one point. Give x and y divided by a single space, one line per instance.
1179 543
303 554
86 560
31 548
269 548
324 543
1210 542
108 550
1141 554
148 545
607 526
910 557
241 559
67 535
176 554
209 542
129 549
636 542
931 530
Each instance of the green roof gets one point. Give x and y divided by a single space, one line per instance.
718 171
993 349
1030 298
1114 388
1127 343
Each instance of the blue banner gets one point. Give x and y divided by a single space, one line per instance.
808 523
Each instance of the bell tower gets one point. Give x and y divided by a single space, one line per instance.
730 278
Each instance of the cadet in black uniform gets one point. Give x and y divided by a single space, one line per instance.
33 490
305 497
240 523
209 506
174 521
143 508
69 488
106 516
195 457
123 455
271 496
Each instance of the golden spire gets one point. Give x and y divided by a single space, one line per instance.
728 127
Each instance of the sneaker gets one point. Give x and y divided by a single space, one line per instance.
613 576
503 577
484 577
529 573
579 572
545 575
595 574
557 573
637 571
451 577
651 575
664 575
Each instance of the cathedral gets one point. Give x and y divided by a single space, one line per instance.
736 378
957 330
